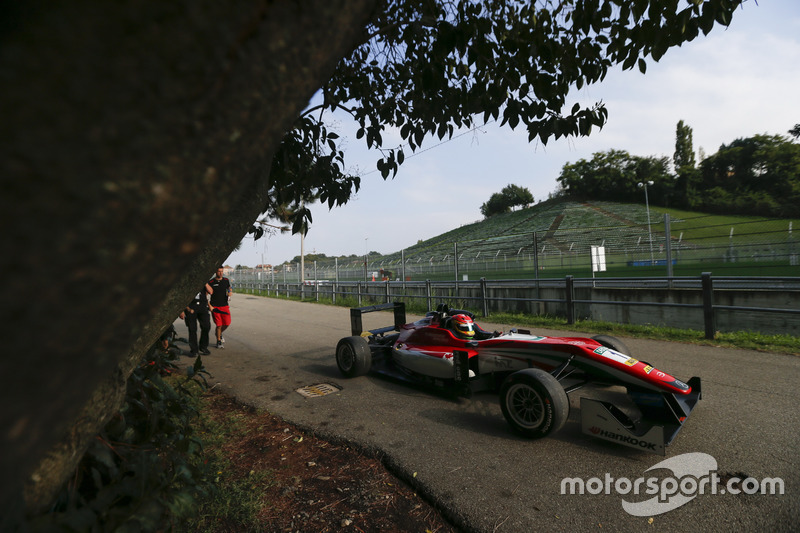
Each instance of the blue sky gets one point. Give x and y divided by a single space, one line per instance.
733 83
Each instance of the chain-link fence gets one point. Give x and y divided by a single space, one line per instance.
670 246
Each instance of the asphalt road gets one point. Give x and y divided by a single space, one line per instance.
464 456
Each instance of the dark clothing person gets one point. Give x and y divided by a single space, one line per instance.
221 289
197 313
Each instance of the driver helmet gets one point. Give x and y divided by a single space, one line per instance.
463 326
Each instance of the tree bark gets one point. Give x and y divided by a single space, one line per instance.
137 140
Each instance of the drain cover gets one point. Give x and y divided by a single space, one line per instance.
315 391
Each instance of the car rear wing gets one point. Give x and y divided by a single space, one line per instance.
356 325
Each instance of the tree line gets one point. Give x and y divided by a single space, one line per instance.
504 201
757 175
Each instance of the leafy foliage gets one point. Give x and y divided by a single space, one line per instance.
509 197
428 68
684 150
615 175
684 161
141 472
758 175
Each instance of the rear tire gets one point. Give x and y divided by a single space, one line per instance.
534 403
353 356
614 343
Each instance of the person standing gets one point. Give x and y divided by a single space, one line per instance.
219 287
197 313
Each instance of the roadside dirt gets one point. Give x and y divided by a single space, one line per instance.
307 484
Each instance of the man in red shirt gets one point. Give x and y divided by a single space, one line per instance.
219 288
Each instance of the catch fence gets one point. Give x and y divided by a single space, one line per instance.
634 248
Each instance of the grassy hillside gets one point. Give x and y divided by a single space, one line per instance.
563 217
567 229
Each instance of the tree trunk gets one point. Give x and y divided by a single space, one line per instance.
137 140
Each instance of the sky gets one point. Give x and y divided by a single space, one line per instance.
733 83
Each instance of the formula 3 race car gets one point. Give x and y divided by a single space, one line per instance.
448 351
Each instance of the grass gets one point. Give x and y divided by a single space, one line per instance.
696 226
232 499
740 339
717 228
501 247
748 340
269 475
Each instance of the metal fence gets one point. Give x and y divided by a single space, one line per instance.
767 304
634 248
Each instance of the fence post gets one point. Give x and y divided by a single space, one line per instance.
403 269
536 263
428 292
358 288
708 305
387 291
484 303
333 292
455 263
668 248
569 286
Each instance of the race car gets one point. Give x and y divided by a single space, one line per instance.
449 351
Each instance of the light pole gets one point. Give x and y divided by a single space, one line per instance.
647 203
302 259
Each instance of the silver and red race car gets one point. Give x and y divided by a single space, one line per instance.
534 374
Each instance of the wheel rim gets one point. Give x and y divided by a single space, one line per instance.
525 406
346 358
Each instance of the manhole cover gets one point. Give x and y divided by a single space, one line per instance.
315 391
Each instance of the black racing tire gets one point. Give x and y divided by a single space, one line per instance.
353 356
614 343
534 403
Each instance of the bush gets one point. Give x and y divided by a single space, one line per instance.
141 472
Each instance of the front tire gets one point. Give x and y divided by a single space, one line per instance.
534 403
353 356
614 343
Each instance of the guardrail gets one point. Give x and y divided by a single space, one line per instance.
769 304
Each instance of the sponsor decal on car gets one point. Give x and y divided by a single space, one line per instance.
680 384
501 362
648 369
631 441
611 354
631 361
